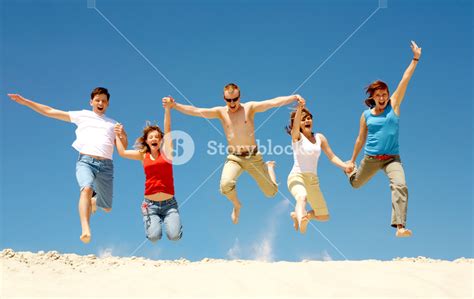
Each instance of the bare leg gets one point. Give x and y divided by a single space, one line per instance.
85 209
232 170
271 171
296 225
301 214
93 204
232 196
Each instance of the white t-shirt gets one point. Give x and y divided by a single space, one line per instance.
306 155
94 134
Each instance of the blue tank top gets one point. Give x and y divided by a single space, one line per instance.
382 135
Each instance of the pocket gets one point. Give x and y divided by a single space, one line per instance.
173 204
144 208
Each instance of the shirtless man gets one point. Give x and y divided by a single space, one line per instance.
238 121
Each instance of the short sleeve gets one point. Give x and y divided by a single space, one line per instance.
76 116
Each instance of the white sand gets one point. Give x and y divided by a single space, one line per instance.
26 274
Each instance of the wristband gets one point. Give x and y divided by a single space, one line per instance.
416 59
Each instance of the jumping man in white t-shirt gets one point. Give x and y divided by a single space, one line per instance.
95 140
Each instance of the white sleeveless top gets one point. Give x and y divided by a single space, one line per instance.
306 155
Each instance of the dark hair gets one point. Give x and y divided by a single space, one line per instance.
140 143
100 90
304 113
370 90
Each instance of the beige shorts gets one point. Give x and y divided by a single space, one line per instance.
307 185
256 168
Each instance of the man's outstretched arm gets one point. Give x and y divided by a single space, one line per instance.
40 108
196 111
263 106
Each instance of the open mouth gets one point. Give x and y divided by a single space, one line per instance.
233 106
154 144
100 108
307 126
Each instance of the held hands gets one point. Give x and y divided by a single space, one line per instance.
300 100
119 131
17 98
349 167
416 50
168 102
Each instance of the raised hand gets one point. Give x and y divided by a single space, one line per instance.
300 100
168 102
416 50
17 98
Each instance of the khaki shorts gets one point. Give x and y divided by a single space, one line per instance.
255 167
307 185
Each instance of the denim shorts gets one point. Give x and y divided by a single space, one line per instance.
98 175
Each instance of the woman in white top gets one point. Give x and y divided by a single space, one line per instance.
303 181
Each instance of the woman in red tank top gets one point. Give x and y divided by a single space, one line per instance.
155 150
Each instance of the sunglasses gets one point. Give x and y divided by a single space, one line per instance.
232 100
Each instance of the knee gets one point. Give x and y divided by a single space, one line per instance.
227 185
153 237
153 234
87 191
270 192
356 184
174 236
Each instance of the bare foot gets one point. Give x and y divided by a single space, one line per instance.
403 232
295 221
85 237
235 214
304 224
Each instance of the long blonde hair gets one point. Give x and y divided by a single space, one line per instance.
140 143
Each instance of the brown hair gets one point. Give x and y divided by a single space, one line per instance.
304 113
370 90
140 143
100 90
231 87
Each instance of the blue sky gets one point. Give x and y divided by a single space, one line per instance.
56 53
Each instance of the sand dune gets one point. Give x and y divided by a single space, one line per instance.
51 274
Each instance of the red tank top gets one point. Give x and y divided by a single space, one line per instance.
158 174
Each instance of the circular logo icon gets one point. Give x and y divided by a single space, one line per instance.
183 147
